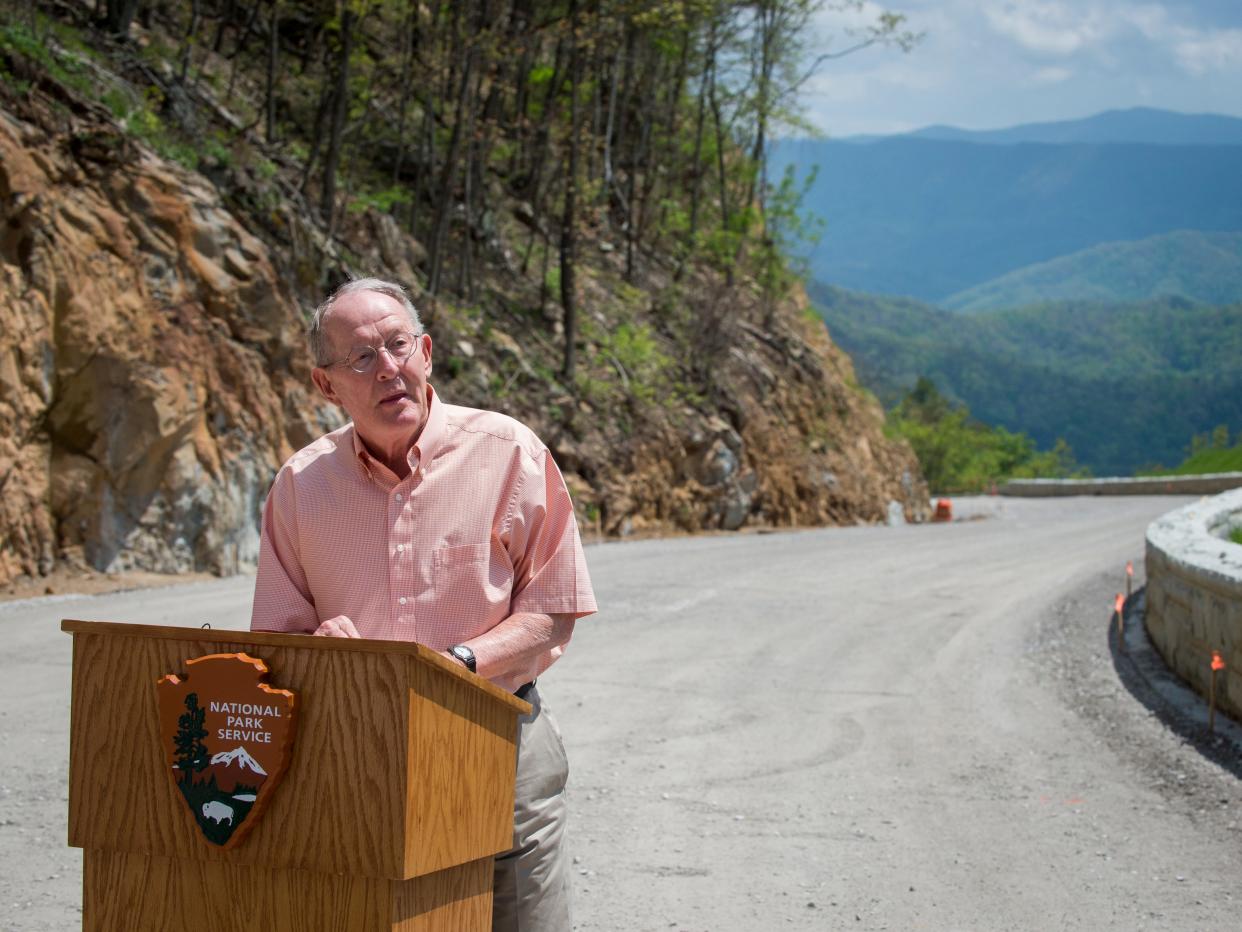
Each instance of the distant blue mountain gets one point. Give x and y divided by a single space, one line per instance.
1137 125
931 217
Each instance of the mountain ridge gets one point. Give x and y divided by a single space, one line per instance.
1126 384
932 218
1128 125
1205 268
1142 125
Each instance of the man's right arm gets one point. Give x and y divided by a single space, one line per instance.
282 597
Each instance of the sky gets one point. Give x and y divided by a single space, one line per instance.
986 64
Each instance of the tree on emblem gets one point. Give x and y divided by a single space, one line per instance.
191 751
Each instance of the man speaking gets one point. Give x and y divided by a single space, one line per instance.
450 526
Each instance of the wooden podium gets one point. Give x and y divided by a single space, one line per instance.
398 792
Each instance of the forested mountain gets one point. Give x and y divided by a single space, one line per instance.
572 191
930 218
1205 268
1126 384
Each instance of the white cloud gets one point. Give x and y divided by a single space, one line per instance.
998 62
1203 53
1054 74
1047 27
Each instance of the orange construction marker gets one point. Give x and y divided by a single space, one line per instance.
1119 606
1218 664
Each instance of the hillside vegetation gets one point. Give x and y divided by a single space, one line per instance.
572 192
960 454
1123 384
1205 268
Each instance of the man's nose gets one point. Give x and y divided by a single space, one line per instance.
386 364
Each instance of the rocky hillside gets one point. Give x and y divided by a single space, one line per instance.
153 370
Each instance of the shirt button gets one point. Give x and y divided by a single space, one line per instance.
400 548
401 600
397 496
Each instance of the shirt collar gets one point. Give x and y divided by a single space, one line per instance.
428 442
420 453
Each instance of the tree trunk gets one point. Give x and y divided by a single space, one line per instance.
120 15
721 177
696 171
273 49
187 42
237 50
445 188
569 219
407 77
226 18
339 109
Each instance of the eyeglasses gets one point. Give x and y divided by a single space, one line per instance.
400 346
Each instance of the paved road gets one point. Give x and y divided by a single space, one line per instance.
865 728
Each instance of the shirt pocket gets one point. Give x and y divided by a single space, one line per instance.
476 580
462 555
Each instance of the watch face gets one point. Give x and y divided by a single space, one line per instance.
464 654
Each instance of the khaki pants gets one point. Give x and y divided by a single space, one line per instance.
531 881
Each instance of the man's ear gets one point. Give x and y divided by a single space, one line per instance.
323 382
426 337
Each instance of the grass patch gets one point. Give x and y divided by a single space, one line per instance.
1205 461
18 40
1208 453
1236 535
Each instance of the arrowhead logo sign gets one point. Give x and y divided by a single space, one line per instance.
228 737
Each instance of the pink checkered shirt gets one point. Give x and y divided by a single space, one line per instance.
483 528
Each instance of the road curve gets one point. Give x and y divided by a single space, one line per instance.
867 728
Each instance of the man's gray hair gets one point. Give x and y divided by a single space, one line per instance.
319 341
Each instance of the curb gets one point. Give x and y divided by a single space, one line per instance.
1205 484
1144 672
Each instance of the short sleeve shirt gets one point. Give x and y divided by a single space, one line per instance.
482 528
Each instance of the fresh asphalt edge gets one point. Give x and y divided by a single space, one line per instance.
1182 710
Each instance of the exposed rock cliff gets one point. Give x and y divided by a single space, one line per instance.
151 366
153 373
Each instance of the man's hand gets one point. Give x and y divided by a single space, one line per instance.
338 627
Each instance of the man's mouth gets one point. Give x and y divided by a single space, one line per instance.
393 397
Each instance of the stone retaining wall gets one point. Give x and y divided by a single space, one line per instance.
1208 484
1194 594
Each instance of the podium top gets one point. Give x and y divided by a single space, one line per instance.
304 641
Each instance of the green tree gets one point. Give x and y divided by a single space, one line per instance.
960 454
191 751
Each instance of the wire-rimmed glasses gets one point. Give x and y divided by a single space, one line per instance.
400 346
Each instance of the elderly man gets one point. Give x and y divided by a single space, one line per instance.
429 522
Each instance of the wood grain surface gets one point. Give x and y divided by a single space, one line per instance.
351 801
140 893
462 759
452 900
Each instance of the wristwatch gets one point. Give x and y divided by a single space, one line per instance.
464 654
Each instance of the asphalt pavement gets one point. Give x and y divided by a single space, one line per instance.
916 727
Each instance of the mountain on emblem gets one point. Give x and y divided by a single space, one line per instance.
227 737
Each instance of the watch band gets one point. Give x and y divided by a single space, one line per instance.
465 655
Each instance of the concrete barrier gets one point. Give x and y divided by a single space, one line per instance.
1194 594
1207 484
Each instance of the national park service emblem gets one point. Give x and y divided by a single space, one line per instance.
228 737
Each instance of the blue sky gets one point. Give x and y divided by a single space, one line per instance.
990 63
